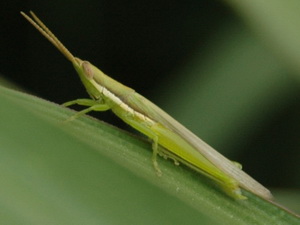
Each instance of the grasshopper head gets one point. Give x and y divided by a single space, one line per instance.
88 74
95 81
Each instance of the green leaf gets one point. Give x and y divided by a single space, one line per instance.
277 23
88 172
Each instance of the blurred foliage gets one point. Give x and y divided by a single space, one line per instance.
228 70
88 172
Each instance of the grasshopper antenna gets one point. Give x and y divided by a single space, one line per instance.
44 30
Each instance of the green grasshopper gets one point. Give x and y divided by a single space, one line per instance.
144 116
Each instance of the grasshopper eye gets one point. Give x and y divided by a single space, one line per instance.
88 70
